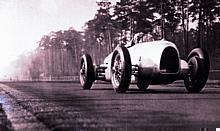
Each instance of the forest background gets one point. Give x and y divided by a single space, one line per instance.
187 23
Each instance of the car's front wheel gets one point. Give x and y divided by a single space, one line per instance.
121 69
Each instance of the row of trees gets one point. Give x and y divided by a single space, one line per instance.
169 19
59 52
57 56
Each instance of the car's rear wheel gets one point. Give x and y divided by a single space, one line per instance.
87 74
121 69
199 65
142 84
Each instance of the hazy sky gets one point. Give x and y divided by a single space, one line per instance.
24 22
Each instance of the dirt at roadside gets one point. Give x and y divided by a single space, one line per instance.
5 124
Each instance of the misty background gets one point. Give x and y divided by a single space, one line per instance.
24 22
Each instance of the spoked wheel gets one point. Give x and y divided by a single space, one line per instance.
121 69
87 74
199 66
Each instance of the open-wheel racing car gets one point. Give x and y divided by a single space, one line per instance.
156 62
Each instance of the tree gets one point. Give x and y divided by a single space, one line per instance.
134 16
100 32
61 52
205 12
142 16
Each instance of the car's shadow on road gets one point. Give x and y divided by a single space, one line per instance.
161 91
102 89
148 91
171 91
156 91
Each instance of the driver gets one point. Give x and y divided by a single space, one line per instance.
135 40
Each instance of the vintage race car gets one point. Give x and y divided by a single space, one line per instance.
156 62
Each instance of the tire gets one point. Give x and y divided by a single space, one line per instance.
121 70
142 84
198 61
87 74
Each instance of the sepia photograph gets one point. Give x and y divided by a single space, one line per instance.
109 65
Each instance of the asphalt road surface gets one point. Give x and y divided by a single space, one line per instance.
65 106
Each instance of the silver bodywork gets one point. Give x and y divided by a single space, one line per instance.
157 61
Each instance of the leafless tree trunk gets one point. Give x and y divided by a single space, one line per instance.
184 28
